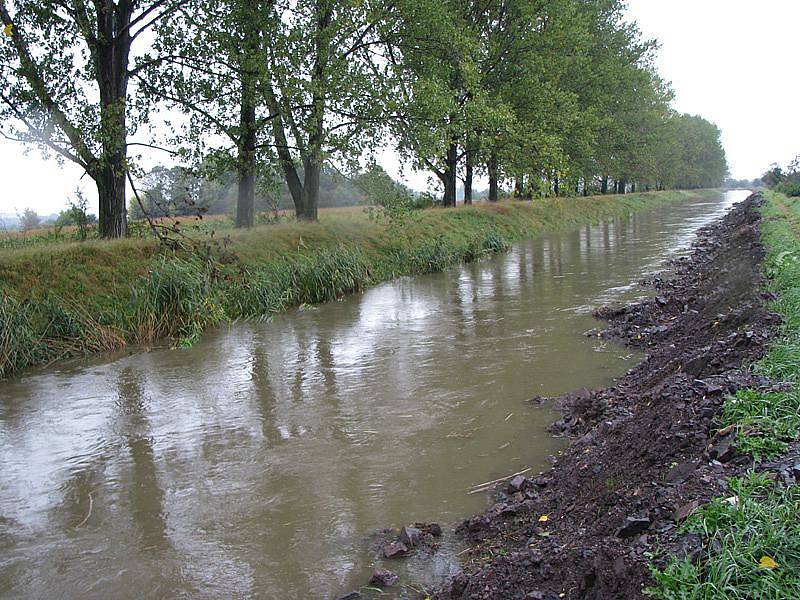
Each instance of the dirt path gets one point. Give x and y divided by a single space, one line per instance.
791 217
644 453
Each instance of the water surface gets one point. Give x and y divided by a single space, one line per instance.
257 462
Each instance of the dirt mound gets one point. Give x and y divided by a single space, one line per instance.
644 453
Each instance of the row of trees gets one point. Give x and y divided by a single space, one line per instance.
554 96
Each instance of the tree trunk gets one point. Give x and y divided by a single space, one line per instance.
311 180
450 175
604 185
586 187
113 213
111 67
245 204
633 188
468 175
491 167
519 186
312 164
556 185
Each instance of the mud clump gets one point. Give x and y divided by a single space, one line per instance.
645 453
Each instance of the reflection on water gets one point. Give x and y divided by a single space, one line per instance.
257 462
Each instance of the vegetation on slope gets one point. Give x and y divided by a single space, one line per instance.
66 299
753 536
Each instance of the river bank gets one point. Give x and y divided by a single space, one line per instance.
64 300
650 453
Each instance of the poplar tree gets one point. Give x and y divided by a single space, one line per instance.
66 70
209 61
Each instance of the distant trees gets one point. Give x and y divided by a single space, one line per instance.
550 98
689 154
29 220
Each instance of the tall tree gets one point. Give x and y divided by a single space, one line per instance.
66 71
209 60
327 87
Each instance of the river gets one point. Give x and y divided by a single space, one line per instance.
258 462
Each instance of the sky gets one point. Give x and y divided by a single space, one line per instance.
730 61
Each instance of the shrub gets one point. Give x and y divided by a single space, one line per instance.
790 188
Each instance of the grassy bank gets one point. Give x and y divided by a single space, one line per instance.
65 299
752 537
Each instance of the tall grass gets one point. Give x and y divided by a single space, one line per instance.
177 299
130 292
38 332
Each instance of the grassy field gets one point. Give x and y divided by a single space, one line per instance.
61 299
753 541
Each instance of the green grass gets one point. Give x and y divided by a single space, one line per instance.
104 294
759 519
765 519
766 423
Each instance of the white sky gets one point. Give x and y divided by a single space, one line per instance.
733 62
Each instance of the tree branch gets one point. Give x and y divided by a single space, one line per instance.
31 72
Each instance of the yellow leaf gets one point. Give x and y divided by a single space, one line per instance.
544 519
9 29
767 562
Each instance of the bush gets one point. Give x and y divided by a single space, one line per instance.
790 188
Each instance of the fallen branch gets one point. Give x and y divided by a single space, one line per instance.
485 486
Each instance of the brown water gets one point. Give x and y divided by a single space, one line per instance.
257 462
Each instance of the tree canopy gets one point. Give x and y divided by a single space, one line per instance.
546 97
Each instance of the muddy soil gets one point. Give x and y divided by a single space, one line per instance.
646 451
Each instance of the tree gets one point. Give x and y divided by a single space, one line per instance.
327 87
76 216
66 71
438 100
209 60
29 220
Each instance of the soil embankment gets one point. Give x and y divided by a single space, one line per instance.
645 452
59 300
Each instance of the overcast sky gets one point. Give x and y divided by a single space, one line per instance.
733 62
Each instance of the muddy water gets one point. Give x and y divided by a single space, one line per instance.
257 462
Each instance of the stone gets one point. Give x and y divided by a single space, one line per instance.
410 536
684 511
634 526
515 485
433 529
351 596
722 448
395 550
383 578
